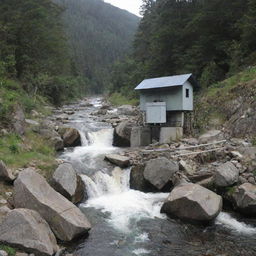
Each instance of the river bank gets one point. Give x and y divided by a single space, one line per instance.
126 221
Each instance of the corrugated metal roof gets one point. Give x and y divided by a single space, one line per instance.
162 82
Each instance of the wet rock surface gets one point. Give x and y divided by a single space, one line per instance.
192 202
26 230
159 172
33 192
66 181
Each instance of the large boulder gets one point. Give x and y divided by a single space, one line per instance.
226 175
28 231
33 192
5 174
160 171
211 136
122 134
244 198
192 202
66 181
71 137
121 161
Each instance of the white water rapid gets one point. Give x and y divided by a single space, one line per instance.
111 193
127 222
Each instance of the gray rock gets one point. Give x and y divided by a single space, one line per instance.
160 171
189 169
31 122
122 134
3 253
27 230
18 120
211 136
33 192
121 161
226 175
244 199
58 143
68 183
127 110
5 174
71 137
192 202
4 210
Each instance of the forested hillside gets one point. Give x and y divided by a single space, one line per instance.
211 38
99 34
34 54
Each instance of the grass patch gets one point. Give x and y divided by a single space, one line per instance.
118 99
11 251
19 152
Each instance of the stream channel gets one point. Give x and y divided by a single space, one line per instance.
126 222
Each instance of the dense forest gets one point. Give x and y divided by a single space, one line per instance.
211 38
34 54
99 34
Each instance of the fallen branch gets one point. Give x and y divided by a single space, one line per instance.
201 152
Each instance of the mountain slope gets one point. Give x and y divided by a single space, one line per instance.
99 34
230 104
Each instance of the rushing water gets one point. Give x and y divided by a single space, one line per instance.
128 222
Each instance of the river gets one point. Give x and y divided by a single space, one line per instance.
127 222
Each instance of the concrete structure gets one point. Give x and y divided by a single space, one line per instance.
140 136
164 101
169 134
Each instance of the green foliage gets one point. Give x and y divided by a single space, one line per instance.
118 99
99 34
11 251
212 39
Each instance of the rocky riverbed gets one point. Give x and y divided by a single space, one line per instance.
191 197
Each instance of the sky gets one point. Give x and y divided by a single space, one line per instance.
132 6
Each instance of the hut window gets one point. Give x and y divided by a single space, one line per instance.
187 93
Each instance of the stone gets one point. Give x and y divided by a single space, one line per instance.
242 180
160 171
4 210
251 180
21 254
33 192
226 175
71 138
140 136
186 167
121 161
27 230
170 134
122 134
18 120
126 110
244 199
192 202
58 143
5 173
31 122
211 136
66 181
3 253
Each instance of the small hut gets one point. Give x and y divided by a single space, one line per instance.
164 101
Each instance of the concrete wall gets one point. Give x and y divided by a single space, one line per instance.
175 97
188 102
172 96
169 134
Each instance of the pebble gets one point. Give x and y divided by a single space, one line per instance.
3 253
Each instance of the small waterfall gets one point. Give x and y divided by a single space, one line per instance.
84 140
229 222
101 139
111 193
